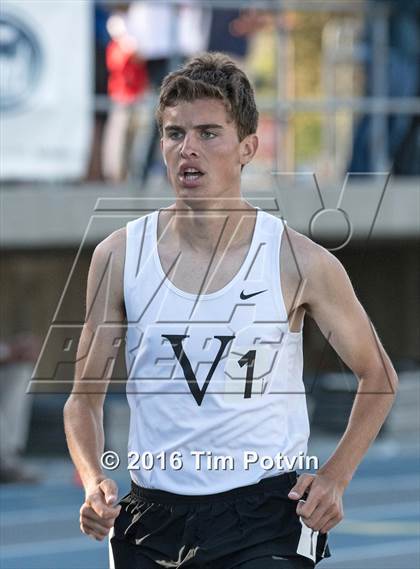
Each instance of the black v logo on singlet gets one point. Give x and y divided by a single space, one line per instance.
176 343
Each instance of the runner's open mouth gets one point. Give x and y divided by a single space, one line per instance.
191 174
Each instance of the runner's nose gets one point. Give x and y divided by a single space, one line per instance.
189 146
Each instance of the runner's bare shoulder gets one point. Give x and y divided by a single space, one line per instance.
106 273
305 265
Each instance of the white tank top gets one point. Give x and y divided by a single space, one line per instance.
217 374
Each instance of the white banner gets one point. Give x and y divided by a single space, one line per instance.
46 89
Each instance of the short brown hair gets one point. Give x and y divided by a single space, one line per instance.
214 76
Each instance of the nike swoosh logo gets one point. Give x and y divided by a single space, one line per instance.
246 296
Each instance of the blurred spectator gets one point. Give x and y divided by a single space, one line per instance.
403 76
127 71
127 83
95 171
224 34
231 29
252 20
16 362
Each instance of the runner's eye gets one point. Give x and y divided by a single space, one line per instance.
207 134
174 135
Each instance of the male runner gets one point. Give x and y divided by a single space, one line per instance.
214 305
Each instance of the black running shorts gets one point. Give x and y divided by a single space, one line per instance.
250 527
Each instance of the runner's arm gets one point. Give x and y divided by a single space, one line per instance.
328 297
104 322
341 318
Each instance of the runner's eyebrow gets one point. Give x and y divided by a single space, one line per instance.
208 126
197 127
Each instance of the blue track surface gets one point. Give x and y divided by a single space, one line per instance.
39 524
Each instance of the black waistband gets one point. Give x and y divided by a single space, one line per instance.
281 482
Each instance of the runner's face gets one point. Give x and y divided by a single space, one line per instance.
202 150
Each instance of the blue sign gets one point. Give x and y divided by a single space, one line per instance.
20 62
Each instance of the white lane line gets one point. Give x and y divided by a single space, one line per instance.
26 490
383 483
374 551
51 547
380 528
23 517
388 511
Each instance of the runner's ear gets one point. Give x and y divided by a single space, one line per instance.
249 146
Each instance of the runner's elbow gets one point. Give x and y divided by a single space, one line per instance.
82 404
